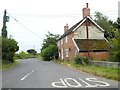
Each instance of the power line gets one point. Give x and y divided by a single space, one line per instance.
63 15
24 26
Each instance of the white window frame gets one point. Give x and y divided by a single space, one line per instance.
62 55
67 52
61 41
66 39
58 43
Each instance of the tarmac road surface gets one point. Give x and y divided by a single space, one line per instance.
33 73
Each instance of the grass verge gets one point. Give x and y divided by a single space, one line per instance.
109 73
6 64
39 57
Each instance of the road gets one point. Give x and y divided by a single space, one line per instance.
33 73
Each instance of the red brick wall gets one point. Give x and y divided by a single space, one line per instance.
95 55
70 45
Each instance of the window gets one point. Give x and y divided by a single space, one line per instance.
67 52
62 56
76 52
58 43
61 41
66 39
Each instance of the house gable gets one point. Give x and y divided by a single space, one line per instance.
97 30
94 30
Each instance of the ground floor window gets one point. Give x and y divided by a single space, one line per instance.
67 52
62 54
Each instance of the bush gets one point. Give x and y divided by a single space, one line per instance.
49 53
84 60
77 60
23 55
114 57
9 47
81 60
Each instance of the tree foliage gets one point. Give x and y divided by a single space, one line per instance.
24 55
49 52
105 24
112 33
9 47
31 51
115 42
50 40
49 48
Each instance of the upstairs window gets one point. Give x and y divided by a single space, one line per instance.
58 43
66 39
61 41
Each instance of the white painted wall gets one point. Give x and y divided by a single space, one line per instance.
94 33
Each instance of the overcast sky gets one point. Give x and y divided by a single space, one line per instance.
41 16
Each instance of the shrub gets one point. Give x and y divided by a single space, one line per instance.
77 60
81 60
9 47
49 53
84 60
23 55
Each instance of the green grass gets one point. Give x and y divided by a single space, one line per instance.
109 73
39 57
7 64
24 56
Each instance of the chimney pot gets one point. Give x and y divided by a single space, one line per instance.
66 27
87 5
86 11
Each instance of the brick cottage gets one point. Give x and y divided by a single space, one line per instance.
85 38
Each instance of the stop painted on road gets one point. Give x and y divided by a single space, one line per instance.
73 83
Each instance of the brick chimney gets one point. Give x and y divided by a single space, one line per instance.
86 11
66 27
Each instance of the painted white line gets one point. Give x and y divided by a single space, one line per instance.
26 75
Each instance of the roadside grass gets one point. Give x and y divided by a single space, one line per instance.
7 64
24 56
39 57
109 73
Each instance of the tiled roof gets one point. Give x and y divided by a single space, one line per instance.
77 24
71 29
92 44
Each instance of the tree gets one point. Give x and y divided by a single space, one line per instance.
49 48
31 51
49 53
112 33
9 47
50 40
115 42
105 24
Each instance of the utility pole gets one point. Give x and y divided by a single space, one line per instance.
87 37
4 28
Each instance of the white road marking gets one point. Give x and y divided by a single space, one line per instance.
88 85
27 75
54 84
64 83
75 81
101 83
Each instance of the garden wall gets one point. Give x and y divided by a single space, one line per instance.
106 64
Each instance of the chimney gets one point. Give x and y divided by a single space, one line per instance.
66 27
86 11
